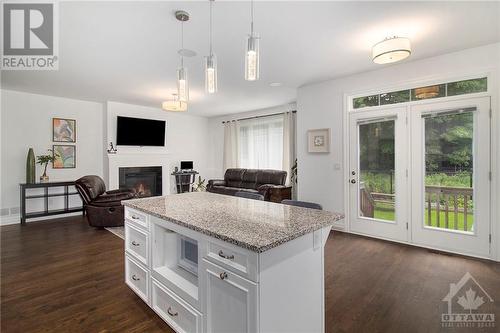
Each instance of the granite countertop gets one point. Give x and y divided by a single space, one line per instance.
255 225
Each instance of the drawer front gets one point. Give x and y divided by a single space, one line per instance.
233 258
137 243
138 218
174 311
137 278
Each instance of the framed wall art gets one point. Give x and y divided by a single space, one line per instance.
318 140
63 130
64 157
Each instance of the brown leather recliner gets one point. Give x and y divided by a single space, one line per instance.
103 208
269 183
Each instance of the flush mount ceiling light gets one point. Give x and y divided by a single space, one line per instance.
391 50
182 76
174 104
252 54
210 62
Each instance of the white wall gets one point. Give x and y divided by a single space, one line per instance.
320 177
216 135
26 121
186 137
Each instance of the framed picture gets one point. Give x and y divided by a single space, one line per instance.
318 140
63 130
64 157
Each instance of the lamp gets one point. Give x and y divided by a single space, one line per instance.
391 50
211 63
182 78
252 53
174 104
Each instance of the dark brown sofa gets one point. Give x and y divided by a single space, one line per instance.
269 183
103 208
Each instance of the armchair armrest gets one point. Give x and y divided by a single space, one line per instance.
125 190
215 182
111 199
275 193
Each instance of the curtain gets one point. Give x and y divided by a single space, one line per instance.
261 143
289 144
231 155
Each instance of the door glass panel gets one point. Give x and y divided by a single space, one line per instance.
376 165
449 171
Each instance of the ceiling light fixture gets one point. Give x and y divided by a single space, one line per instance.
391 50
211 63
182 77
174 104
252 53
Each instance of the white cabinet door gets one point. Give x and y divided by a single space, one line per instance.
229 302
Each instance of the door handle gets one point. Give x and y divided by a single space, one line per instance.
353 181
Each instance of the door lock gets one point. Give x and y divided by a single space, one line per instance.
353 181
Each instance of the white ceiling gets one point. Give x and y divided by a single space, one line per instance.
126 51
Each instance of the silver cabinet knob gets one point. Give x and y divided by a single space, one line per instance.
135 278
134 217
169 311
134 243
222 255
223 275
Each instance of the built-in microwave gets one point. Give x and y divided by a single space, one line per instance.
188 254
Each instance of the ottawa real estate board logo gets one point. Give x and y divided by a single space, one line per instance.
468 305
30 35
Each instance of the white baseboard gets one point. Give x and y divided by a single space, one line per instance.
16 219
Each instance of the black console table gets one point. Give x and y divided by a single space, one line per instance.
184 180
45 196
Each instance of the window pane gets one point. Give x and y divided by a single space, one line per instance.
361 102
377 161
449 171
395 97
467 86
436 91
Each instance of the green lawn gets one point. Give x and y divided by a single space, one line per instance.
386 212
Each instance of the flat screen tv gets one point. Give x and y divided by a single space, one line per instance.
140 132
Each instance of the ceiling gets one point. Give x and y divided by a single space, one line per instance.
127 51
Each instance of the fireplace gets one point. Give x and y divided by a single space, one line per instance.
144 181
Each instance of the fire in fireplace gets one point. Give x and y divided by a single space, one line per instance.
144 181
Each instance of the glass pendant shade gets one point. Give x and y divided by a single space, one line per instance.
182 85
211 74
174 104
391 50
252 58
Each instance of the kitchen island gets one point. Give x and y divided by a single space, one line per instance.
207 262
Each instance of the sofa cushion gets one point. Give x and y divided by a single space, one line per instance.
234 177
230 190
275 177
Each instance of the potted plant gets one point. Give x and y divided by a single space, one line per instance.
44 160
200 185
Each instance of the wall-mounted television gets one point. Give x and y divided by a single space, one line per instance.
140 132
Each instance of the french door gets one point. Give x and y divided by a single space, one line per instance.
378 183
421 174
450 183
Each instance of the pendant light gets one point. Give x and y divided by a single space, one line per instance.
252 54
211 62
391 50
174 104
182 76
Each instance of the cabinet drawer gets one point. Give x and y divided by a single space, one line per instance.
137 243
137 278
233 258
179 315
140 219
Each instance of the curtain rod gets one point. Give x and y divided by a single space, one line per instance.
263 116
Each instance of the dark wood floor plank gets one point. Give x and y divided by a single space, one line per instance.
64 276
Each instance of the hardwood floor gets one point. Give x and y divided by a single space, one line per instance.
63 276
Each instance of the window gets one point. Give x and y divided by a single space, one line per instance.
420 93
261 143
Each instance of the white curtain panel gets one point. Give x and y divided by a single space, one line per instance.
289 143
231 145
261 143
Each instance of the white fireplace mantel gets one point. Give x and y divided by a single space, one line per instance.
121 160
